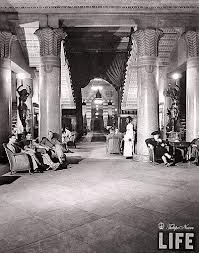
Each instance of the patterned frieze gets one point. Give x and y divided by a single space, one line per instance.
67 98
129 96
167 42
138 5
30 42
164 54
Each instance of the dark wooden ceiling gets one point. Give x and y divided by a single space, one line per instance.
97 39
91 51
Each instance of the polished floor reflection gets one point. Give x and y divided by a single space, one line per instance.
103 204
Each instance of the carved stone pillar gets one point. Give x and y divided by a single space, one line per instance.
163 101
5 88
192 88
147 42
50 80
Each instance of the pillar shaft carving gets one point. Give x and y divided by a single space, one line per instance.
147 41
5 41
192 89
50 79
50 40
192 40
147 44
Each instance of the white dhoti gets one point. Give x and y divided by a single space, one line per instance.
129 141
128 147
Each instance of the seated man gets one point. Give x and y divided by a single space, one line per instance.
160 151
63 140
66 135
40 152
194 151
71 141
12 145
55 146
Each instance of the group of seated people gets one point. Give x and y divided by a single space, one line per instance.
47 154
162 153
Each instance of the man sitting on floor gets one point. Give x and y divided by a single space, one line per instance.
160 151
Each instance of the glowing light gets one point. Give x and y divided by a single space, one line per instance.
176 76
21 76
96 88
97 79
98 101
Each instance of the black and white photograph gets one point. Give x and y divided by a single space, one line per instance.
99 126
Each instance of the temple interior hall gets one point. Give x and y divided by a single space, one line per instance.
90 67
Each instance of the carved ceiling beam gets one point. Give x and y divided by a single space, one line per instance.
52 6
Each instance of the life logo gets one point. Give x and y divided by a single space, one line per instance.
176 238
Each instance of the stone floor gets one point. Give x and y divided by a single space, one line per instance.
104 204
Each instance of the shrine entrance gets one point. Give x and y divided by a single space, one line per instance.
97 122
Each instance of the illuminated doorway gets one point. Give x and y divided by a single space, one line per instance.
97 122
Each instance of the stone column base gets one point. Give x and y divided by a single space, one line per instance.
141 158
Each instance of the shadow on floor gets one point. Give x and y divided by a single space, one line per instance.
98 137
8 179
74 159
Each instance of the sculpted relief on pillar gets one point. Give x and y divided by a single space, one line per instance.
50 46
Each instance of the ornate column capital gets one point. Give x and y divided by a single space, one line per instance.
192 41
50 40
147 41
5 42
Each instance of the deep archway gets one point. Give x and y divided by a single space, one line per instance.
100 101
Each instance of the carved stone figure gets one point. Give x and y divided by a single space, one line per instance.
22 107
173 112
